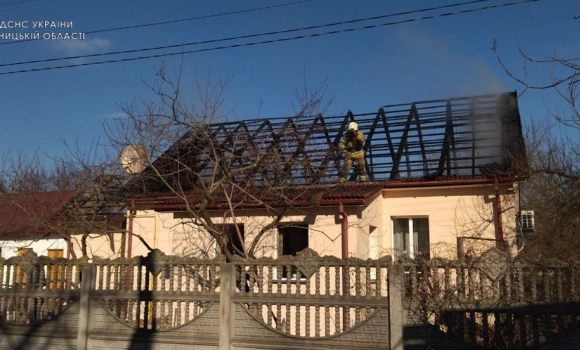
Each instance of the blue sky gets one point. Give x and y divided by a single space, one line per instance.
415 60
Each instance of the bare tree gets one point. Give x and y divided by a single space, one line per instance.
553 188
74 197
553 192
564 78
216 168
21 172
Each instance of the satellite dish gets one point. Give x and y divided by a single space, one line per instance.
134 159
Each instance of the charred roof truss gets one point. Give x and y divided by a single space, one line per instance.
458 137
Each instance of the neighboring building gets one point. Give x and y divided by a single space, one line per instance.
27 222
49 223
443 182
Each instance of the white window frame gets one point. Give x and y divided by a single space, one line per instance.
530 214
412 232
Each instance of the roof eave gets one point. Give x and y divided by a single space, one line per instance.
452 182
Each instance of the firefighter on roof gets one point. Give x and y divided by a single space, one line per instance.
352 142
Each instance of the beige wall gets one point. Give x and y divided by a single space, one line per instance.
452 212
101 245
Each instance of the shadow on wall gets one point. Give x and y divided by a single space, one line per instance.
427 337
142 338
29 341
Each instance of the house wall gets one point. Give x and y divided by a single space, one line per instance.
101 245
454 212
97 245
466 211
171 233
40 246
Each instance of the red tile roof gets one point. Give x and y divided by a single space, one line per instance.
31 215
297 196
350 193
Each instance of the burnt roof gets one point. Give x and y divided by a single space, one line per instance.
466 136
475 139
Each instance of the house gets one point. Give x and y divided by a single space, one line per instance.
442 181
27 223
56 223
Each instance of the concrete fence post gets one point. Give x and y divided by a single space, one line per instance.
396 317
87 285
227 316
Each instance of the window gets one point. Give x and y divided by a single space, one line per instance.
22 251
527 220
374 243
55 272
55 253
235 242
411 237
292 239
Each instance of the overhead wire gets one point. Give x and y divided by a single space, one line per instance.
15 2
199 17
248 36
183 52
136 26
